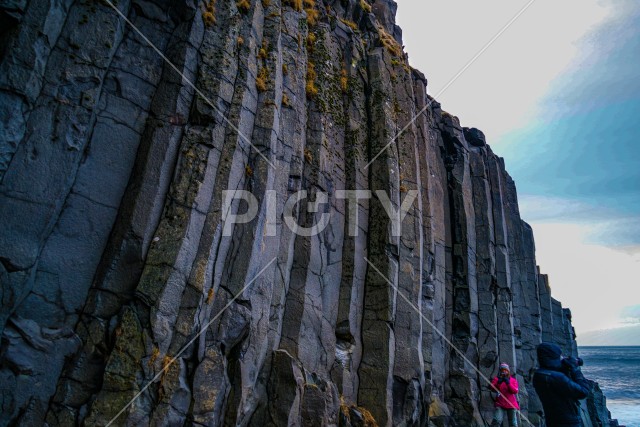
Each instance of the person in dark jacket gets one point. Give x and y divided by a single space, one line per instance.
560 386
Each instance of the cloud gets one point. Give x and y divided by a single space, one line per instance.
631 314
500 89
627 335
618 233
595 281
631 250
581 145
605 69
600 224
553 209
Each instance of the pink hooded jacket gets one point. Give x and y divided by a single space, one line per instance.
508 391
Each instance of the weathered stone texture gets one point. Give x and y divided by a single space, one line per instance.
119 280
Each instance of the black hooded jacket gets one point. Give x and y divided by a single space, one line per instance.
560 386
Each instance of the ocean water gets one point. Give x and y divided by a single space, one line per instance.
617 370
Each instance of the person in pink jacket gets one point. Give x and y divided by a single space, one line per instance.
505 387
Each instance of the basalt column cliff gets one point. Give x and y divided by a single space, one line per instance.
117 142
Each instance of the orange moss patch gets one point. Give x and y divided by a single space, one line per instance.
310 87
312 16
209 14
264 49
389 42
166 363
209 19
261 79
344 80
312 13
154 356
311 40
369 420
210 293
344 408
349 24
308 156
243 6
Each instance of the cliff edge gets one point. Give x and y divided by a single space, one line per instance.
125 297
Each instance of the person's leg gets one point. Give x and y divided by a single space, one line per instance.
498 415
513 417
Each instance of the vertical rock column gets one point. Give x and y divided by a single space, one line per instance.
546 309
503 292
408 372
462 285
523 273
487 281
434 197
354 266
531 327
378 340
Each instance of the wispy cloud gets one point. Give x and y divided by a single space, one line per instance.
605 69
621 233
552 208
598 224
631 314
596 281
501 90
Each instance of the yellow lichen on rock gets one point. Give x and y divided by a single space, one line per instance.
243 5
344 80
308 156
310 87
209 14
312 13
261 79
349 24
389 42
367 417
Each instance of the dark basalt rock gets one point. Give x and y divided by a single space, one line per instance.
474 137
116 278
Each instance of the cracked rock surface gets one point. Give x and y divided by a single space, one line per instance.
118 281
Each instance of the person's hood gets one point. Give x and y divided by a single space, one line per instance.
549 356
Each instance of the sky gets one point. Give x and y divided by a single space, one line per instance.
558 96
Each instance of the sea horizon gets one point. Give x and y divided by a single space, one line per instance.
609 346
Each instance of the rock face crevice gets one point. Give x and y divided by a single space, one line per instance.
126 290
